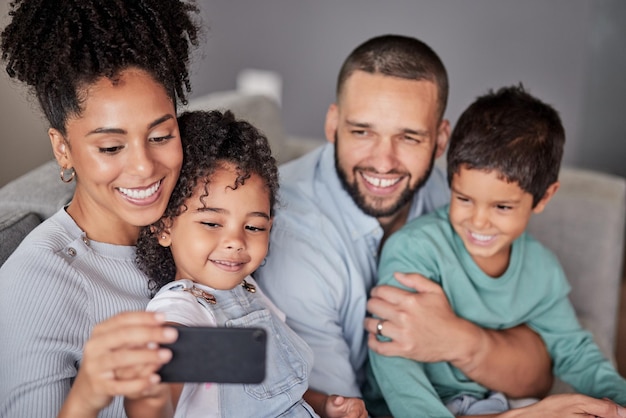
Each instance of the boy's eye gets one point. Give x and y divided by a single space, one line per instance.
255 228
462 199
504 207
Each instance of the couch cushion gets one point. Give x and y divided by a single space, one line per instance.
261 111
584 226
14 227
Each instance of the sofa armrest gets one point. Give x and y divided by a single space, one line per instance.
584 225
14 227
40 191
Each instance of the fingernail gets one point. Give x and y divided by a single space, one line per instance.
621 411
170 333
155 378
165 354
159 316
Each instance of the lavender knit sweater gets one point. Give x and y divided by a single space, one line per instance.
53 289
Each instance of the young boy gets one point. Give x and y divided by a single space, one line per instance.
503 164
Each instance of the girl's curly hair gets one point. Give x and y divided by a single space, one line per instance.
209 139
58 47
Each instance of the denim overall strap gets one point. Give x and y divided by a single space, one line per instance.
289 360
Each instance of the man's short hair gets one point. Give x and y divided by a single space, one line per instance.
513 133
398 56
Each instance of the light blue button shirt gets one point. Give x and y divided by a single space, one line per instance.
322 264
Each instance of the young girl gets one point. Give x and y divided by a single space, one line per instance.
201 253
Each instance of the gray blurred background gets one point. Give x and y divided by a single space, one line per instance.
569 53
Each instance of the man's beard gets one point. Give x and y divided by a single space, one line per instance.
372 209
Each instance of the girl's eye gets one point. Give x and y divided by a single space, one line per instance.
210 224
110 150
462 199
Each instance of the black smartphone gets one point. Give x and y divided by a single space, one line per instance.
217 355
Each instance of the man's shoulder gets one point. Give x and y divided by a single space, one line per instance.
435 192
306 188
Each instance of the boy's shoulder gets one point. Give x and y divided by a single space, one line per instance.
537 250
436 220
427 228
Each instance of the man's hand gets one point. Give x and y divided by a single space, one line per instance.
425 314
568 405
423 327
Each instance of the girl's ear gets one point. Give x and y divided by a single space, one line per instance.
164 237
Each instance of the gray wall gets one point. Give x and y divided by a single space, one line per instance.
570 53
24 141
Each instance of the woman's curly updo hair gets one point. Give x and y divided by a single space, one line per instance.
60 47
210 139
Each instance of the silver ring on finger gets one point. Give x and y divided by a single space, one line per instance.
379 328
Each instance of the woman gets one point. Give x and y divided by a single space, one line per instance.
107 76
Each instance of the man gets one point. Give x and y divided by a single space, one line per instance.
338 205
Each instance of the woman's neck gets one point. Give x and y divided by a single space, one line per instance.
103 228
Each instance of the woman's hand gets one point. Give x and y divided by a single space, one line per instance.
120 358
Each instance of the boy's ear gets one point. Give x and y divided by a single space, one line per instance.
550 191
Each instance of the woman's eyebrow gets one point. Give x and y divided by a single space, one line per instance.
121 131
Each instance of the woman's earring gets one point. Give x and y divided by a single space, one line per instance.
64 172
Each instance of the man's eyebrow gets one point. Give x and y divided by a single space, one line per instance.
358 124
121 131
420 132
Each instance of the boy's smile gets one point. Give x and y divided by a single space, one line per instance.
489 213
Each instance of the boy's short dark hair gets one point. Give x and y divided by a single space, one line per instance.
513 133
398 56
